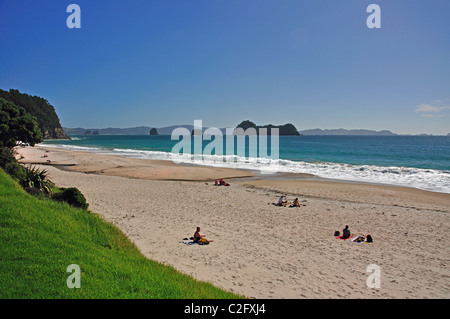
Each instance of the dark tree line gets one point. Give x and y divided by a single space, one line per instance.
16 124
39 107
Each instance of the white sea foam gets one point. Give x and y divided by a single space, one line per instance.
428 179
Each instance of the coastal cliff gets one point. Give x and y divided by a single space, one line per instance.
47 119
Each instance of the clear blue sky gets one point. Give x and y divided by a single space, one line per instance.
313 63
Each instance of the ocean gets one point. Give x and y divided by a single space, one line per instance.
416 161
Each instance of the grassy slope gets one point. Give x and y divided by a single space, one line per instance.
40 238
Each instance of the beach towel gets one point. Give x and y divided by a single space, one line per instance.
361 242
187 242
191 242
353 240
341 237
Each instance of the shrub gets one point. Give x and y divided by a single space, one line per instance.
72 196
10 165
36 178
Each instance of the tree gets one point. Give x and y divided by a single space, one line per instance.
16 124
39 107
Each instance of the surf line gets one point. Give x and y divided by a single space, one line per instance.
258 148
201 309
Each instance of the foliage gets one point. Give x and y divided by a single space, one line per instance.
36 178
16 124
10 165
72 196
47 119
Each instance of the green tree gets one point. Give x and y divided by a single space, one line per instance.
16 124
47 119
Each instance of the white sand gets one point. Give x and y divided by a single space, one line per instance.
263 251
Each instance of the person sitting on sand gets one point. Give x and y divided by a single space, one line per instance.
346 232
295 203
282 201
199 238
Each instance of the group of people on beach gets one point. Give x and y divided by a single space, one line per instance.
220 182
346 234
282 201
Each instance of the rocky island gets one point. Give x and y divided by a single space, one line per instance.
283 130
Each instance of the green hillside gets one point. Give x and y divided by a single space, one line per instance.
40 238
39 107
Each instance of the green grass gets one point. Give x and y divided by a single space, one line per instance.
40 238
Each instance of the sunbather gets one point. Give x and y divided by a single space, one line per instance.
200 238
295 203
282 201
346 232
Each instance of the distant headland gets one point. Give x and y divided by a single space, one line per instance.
286 130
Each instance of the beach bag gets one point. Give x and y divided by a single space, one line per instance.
203 241
337 233
369 239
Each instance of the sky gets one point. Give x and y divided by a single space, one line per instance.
315 64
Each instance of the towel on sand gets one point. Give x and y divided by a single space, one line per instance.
341 237
191 242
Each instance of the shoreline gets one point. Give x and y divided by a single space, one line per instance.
254 174
260 250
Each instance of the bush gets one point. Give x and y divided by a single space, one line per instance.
10 165
72 196
36 178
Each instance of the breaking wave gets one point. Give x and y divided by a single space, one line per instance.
427 179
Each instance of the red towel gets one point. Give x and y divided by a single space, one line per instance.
340 237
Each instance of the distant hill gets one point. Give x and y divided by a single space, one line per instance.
139 130
39 107
287 129
342 131
167 130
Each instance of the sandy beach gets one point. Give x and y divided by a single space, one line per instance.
260 250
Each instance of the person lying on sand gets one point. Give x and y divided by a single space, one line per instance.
359 239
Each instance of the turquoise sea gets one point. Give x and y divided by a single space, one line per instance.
416 161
